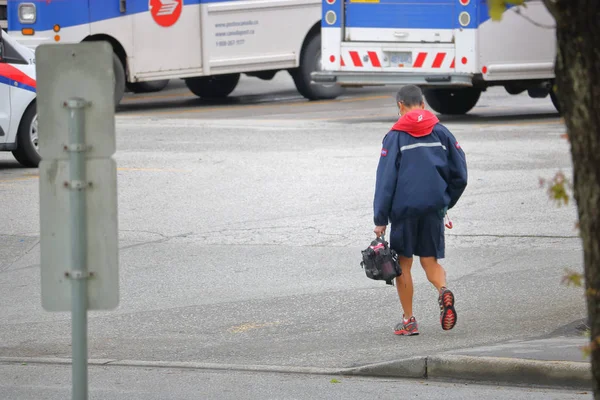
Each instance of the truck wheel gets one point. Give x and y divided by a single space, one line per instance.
147 87
452 101
213 87
310 61
119 71
27 152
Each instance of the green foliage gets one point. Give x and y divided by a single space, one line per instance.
573 278
558 188
497 7
588 349
334 381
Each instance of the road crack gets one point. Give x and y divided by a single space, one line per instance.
5 267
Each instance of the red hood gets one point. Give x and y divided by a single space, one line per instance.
416 123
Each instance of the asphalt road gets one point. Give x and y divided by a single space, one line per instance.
241 225
35 382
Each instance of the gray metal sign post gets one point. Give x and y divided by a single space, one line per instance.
77 184
79 271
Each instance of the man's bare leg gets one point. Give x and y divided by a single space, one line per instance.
437 276
434 271
404 286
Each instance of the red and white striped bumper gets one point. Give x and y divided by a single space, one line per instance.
378 59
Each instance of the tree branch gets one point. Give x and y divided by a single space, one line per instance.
518 11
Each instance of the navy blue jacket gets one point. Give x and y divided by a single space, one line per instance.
422 169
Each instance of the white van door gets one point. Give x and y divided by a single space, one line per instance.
167 39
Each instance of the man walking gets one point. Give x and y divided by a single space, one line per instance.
422 173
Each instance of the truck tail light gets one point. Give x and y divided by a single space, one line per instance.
464 18
330 17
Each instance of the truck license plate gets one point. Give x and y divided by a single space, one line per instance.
400 59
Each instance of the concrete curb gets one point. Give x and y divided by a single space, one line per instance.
414 367
511 370
564 374
484 369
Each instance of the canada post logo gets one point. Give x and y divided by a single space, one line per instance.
165 12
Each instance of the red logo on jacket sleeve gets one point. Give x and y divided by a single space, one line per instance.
457 145
383 152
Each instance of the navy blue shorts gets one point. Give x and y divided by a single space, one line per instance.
421 236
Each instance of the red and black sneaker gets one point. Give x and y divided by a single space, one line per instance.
408 327
448 316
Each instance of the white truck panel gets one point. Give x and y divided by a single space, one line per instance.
72 34
516 48
399 35
162 52
242 36
466 51
331 42
118 28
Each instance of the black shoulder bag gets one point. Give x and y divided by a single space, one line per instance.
380 262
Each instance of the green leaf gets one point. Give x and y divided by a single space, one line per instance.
497 7
334 381
572 278
586 350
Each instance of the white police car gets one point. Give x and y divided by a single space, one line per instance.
18 114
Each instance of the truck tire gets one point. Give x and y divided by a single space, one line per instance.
310 60
213 87
452 101
27 153
147 87
119 71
